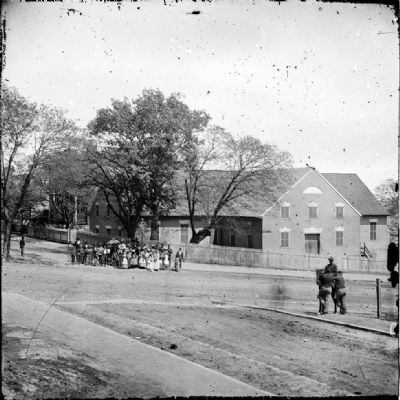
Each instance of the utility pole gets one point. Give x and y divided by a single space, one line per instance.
76 211
378 298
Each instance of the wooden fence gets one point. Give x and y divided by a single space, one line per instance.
213 254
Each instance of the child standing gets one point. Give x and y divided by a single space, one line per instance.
22 245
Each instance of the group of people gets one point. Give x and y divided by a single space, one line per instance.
331 284
128 255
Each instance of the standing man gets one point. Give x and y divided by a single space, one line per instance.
325 290
331 267
179 256
340 292
169 250
22 245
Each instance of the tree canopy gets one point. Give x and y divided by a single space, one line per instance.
138 149
248 171
31 133
387 194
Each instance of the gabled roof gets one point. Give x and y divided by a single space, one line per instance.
247 205
349 186
353 189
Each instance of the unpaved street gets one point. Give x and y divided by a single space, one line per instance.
187 314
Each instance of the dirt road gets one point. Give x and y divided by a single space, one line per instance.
183 313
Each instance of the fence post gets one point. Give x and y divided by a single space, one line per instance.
378 298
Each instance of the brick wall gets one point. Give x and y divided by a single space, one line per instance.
299 223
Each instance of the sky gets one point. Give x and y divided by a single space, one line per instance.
319 80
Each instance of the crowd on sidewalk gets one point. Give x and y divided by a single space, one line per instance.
154 257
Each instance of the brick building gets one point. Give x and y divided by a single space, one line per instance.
239 228
326 214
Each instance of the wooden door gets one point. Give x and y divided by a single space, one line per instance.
312 243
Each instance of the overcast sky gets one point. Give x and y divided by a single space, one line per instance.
317 79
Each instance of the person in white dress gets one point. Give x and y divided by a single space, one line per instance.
166 260
150 260
156 259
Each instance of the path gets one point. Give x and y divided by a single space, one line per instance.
174 375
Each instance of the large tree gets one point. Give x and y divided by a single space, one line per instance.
138 152
387 194
30 134
225 174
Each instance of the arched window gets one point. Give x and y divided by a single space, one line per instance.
312 190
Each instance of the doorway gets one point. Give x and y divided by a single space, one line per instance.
312 243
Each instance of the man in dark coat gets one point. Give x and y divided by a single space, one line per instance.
325 280
340 292
22 245
331 267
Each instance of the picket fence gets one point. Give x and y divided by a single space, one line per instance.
214 254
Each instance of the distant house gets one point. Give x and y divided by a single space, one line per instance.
326 214
241 228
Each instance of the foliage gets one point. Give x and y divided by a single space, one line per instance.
139 147
249 172
388 195
31 133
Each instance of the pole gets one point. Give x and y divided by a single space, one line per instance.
378 298
76 211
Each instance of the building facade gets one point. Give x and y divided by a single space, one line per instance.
233 231
326 214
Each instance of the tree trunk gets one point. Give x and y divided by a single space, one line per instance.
7 240
154 234
200 235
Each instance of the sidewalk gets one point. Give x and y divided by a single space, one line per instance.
175 376
353 321
352 276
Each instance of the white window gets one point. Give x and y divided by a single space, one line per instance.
339 238
313 211
285 211
312 190
284 238
97 229
339 212
372 231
